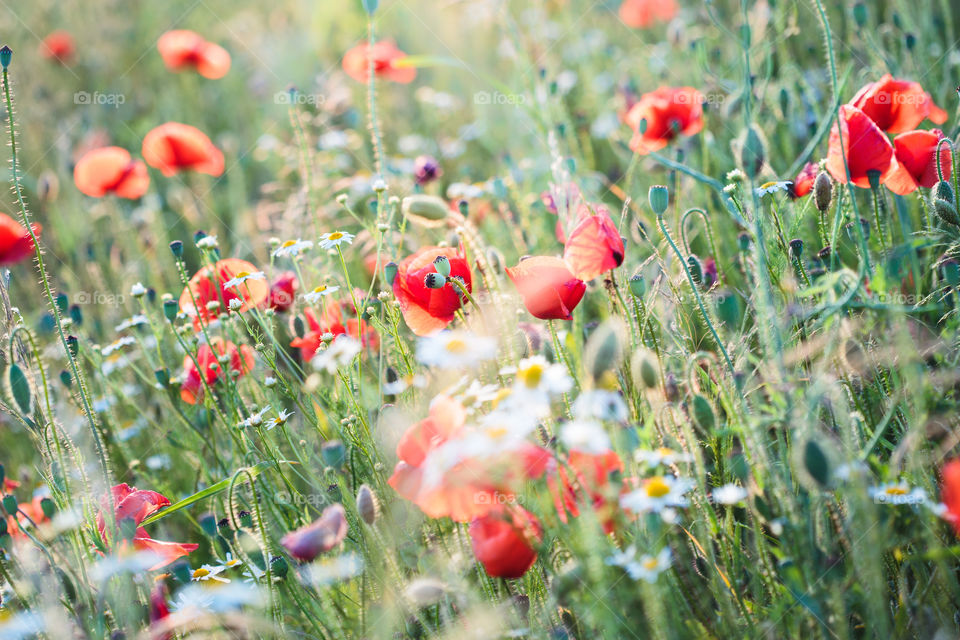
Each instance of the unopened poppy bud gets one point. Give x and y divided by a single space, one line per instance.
73 346
47 507
333 453
367 504
424 208
176 248
796 248
696 269
822 191
62 303
208 522
910 40
638 286
66 379
496 259
442 265
944 190
946 212
603 351
743 241
279 567
645 363
10 504
659 198
434 281
76 314
860 14
6 53
753 154
390 272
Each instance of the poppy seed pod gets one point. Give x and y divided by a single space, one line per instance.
390 272
442 264
279 567
822 191
638 286
434 281
796 248
659 198
367 505
6 53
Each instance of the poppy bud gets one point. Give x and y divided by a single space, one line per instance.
860 14
3 527
367 504
279 567
76 315
246 520
333 453
390 272
603 351
65 379
6 53
743 241
946 212
816 463
944 191
496 259
644 361
176 247
659 198
442 265
696 269
424 208
434 281
47 507
10 504
822 191
73 346
48 186
910 40
170 309
752 155
796 248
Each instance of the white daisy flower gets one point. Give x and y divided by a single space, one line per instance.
658 494
662 455
601 405
897 494
455 349
207 242
586 436
292 248
243 276
335 239
118 344
340 353
208 572
255 419
269 382
230 562
253 573
235 304
729 494
280 420
537 381
401 384
314 296
773 187
133 321
648 568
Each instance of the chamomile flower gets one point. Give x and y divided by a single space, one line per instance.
400 384
897 494
255 419
208 572
537 381
648 568
313 297
116 345
662 455
335 239
455 349
280 420
138 290
230 562
235 304
340 353
729 494
292 248
586 436
253 573
207 242
773 187
243 276
658 494
600 404
133 321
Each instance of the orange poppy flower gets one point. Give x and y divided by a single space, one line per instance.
58 46
897 105
503 540
641 14
239 361
111 170
427 310
385 56
668 112
137 504
864 146
594 246
332 321
549 289
804 181
15 241
174 147
207 285
916 153
183 49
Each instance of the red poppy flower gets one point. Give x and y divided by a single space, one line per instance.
332 321
590 480
322 535
668 112
897 105
428 310
208 357
58 46
865 148
386 57
15 241
283 291
206 286
111 170
503 539
950 492
174 147
805 179
916 153
182 49
137 504
594 246
641 14
549 289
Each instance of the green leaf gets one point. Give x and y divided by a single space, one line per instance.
18 388
210 491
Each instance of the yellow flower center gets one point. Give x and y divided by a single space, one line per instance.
201 573
456 345
232 563
531 376
650 564
243 274
336 235
497 432
502 394
896 491
767 185
288 243
657 487
320 289
665 452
